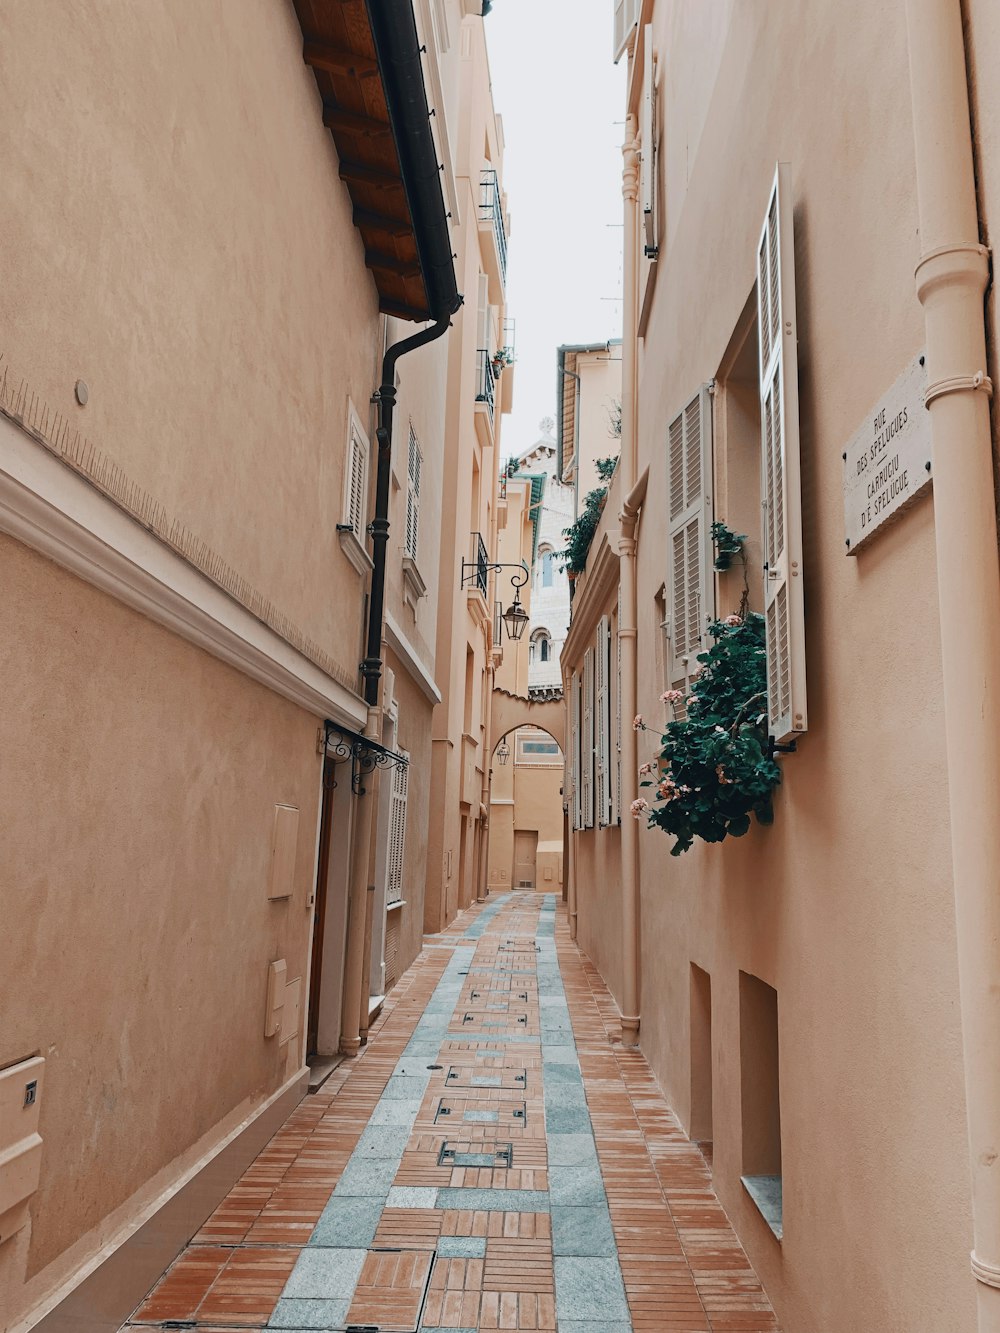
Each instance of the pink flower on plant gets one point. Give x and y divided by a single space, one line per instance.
732 621
666 791
639 808
672 697
638 723
645 770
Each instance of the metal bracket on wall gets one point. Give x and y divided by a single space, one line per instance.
364 754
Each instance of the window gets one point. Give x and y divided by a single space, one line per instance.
356 499
547 567
397 833
352 530
647 148
690 583
781 492
760 1099
576 743
540 647
414 465
537 748
602 723
587 745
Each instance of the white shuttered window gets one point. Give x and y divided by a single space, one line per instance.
626 17
575 749
690 581
603 774
413 469
780 487
397 833
587 743
647 132
356 490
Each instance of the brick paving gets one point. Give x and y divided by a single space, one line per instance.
494 1159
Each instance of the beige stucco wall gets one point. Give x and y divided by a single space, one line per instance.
136 844
599 389
176 234
845 905
455 869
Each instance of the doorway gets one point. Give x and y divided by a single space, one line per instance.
525 858
329 940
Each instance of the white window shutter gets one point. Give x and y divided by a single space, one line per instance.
616 804
780 485
626 17
587 747
357 484
602 723
414 465
647 138
397 833
576 745
690 581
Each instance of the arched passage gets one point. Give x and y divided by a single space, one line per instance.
526 839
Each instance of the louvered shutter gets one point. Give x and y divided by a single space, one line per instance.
602 723
616 807
576 745
626 16
397 833
413 496
690 582
587 746
647 133
357 484
780 487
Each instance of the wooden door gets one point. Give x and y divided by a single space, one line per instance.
319 911
525 858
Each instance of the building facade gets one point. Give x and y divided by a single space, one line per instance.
467 646
221 654
819 991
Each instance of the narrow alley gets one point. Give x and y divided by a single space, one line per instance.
495 1159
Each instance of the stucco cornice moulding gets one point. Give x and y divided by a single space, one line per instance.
52 509
407 654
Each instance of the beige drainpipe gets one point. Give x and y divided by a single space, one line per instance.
357 904
627 467
484 804
951 282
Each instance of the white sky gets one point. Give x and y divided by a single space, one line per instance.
562 102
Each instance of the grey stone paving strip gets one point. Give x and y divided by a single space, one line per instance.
319 1292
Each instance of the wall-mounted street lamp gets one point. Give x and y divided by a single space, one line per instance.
503 752
474 576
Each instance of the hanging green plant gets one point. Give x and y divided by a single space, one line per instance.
727 544
715 768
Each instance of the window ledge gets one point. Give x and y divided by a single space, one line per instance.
354 551
413 585
766 1194
391 907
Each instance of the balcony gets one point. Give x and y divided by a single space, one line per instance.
477 581
493 230
485 397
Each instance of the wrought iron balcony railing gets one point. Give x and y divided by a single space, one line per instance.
485 379
481 561
491 210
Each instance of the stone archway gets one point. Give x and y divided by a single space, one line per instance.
526 810
511 711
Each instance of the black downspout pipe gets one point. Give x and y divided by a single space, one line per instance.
371 667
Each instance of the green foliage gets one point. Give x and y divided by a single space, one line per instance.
580 533
715 769
606 467
727 544
615 419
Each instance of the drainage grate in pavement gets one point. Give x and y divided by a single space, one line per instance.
391 1290
460 1110
457 1077
497 1155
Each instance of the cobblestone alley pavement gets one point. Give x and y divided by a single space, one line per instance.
494 1160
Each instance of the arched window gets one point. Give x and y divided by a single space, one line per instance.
540 648
545 566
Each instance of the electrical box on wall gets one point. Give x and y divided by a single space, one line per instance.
290 1012
276 973
20 1142
284 843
